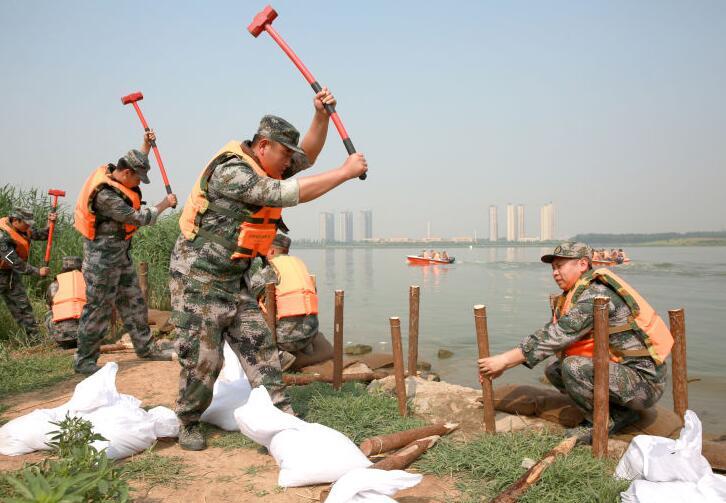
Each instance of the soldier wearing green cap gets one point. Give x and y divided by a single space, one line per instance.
637 372
108 212
230 217
16 233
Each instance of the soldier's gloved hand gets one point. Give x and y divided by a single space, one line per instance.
44 271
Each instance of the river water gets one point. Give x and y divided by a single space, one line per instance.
515 287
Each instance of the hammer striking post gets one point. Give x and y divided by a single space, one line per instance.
134 98
263 22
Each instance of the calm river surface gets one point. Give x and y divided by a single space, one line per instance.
515 286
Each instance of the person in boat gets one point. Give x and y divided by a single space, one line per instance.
426 254
299 342
639 341
437 256
444 255
65 297
620 257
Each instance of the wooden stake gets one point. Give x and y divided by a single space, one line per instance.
414 297
271 308
398 364
338 341
402 459
144 280
601 361
553 302
302 379
512 493
679 372
487 391
383 443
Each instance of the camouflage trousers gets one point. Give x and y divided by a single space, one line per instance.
629 390
205 315
296 332
64 333
13 293
111 283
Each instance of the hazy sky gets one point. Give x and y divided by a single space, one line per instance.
613 110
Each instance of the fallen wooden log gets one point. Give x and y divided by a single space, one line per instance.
516 490
384 443
402 459
119 346
302 379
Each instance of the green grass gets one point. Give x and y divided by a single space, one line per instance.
153 469
227 440
33 371
488 464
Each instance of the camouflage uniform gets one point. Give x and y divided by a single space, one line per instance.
110 275
210 300
65 332
12 289
294 333
636 383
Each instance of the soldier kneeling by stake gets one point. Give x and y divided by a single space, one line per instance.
66 297
108 213
298 339
639 341
16 233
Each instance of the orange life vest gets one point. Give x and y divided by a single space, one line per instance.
295 293
84 219
70 298
256 231
21 241
644 319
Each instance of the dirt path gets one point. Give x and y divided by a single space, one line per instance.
213 475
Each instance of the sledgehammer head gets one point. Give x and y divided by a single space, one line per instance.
131 98
262 19
57 192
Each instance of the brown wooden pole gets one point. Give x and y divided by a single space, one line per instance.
414 297
302 379
679 372
487 391
402 459
383 443
271 308
144 281
338 340
553 302
601 360
398 364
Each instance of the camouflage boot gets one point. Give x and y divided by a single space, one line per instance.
191 437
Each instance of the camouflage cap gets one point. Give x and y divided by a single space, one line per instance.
71 263
138 161
278 129
23 214
569 249
281 241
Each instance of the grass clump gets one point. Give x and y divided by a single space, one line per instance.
352 411
32 371
153 469
227 440
488 464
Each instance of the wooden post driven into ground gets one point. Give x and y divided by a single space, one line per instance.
271 308
601 360
338 341
144 281
487 391
553 302
398 364
679 372
414 297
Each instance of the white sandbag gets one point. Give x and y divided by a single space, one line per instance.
96 390
710 489
260 420
314 454
166 423
369 485
128 430
30 432
231 391
659 459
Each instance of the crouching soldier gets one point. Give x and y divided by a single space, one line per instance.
298 339
108 213
639 341
16 233
66 297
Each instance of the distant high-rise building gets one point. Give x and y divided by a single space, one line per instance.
511 225
547 222
345 226
521 234
493 227
327 226
365 224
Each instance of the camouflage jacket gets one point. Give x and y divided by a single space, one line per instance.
258 275
577 324
7 249
235 186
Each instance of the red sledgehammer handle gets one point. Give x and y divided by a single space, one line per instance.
316 87
153 146
51 226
